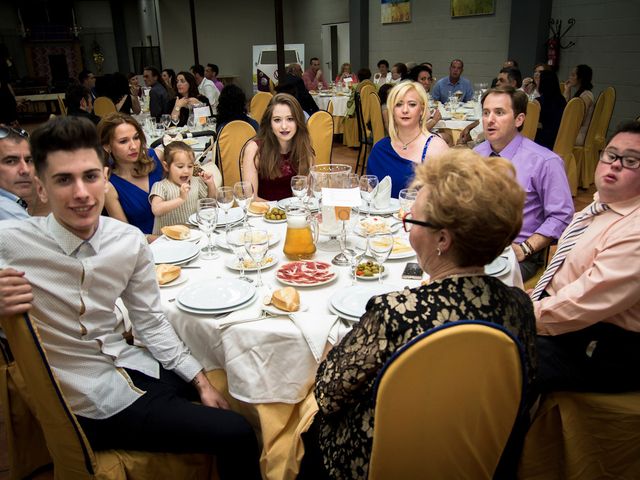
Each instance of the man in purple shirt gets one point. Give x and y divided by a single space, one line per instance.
548 207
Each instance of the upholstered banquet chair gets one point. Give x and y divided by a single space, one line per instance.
566 139
320 126
72 455
447 402
375 114
530 126
231 140
103 106
363 117
259 104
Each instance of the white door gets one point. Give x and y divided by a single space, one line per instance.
335 49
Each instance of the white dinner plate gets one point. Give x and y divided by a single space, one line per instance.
233 216
353 300
312 203
233 264
173 252
498 266
194 237
393 225
393 207
176 281
274 237
344 316
218 311
216 294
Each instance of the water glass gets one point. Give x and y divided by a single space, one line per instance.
166 120
225 202
353 248
368 184
256 243
235 239
380 246
243 193
407 198
207 216
299 185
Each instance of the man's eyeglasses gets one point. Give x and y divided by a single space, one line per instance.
609 157
408 222
6 131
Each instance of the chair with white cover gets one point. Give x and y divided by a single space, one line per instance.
259 104
73 457
447 402
231 140
566 139
530 126
320 126
103 106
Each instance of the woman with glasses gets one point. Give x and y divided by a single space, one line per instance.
456 226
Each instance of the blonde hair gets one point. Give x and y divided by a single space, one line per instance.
396 94
172 149
345 64
106 131
477 199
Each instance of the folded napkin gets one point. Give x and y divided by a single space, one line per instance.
316 329
382 193
167 139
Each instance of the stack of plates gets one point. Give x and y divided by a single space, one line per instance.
174 253
350 303
234 215
393 207
499 266
213 297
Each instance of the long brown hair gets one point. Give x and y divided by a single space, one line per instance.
106 131
301 153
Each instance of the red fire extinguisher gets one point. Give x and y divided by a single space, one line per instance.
553 53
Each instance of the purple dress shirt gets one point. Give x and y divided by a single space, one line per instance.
548 207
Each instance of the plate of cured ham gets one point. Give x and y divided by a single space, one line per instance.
305 273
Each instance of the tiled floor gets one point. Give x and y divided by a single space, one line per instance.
341 154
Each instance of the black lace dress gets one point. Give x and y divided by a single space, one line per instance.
344 383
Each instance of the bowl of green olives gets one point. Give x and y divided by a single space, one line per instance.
369 270
275 215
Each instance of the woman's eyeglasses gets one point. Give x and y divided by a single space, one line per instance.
6 131
408 222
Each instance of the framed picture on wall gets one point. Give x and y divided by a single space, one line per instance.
467 8
395 11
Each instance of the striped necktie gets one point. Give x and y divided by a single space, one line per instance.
574 230
22 203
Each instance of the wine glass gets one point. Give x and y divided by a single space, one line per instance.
407 197
315 186
353 247
256 243
166 120
225 199
207 216
368 184
235 239
243 193
175 121
380 246
299 185
351 181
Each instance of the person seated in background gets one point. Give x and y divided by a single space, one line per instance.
509 77
552 105
587 303
409 143
169 78
123 95
73 266
421 74
88 80
313 77
531 84
136 90
294 85
206 87
187 97
548 205
346 75
443 233
580 80
211 72
399 72
450 85
281 150
79 104
383 75
383 93
160 96
232 105
16 173
364 76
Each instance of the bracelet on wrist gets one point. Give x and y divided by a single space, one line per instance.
526 249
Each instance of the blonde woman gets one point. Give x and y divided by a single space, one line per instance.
345 73
410 142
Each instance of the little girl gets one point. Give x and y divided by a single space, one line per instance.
176 197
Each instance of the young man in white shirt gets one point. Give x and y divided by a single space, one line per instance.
67 270
206 87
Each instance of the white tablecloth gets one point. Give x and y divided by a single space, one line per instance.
339 103
271 360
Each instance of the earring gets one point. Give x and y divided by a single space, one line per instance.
439 251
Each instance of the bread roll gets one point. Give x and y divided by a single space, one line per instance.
177 232
287 299
259 208
167 273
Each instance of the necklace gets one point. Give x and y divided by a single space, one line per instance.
405 145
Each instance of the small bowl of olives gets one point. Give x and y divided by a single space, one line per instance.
275 215
369 270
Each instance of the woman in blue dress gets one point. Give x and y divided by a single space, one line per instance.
409 142
134 170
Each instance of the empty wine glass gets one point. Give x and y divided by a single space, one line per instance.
368 184
407 197
299 185
243 193
207 216
225 199
256 243
380 246
175 121
166 120
353 247
235 239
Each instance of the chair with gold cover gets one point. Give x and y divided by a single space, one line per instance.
447 402
320 126
566 139
259 104
102 106
231 140
375 113
530 126
73 457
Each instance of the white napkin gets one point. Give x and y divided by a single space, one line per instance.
252 312
167 139
315 329
382 193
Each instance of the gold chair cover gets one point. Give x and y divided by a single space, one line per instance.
231 141
320 126
259 104
530 126
566 139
